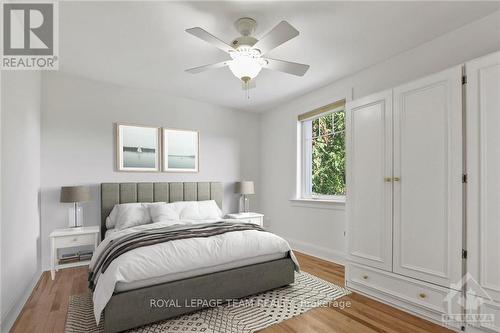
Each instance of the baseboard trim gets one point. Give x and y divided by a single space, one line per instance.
318 251
10 318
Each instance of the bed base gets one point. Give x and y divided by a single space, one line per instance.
143 306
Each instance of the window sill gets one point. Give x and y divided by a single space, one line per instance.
334 204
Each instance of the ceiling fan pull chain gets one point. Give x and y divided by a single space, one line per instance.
246 86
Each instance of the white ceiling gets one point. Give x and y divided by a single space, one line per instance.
144 45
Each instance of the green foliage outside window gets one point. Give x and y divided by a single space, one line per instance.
328 154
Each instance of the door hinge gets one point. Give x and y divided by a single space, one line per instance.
464 79
464 178
464 254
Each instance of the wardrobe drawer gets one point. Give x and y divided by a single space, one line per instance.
484 314
403 288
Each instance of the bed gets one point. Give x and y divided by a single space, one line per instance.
130 304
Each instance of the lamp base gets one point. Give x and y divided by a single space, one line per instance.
75 216
244 204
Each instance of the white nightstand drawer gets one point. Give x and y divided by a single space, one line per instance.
74 240
255 220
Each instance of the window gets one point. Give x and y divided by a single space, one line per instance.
323 153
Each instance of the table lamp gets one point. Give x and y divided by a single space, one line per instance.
75 195
244 188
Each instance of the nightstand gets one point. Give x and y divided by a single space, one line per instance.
71 237
248 217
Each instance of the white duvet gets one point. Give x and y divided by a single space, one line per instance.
179 256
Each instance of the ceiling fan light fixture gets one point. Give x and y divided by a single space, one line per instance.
245 67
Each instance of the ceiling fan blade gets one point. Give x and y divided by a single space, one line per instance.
286 66
209 38
200 69
280 34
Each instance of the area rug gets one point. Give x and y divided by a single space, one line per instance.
246 315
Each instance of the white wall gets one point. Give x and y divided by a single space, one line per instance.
20 174
78 117
321 231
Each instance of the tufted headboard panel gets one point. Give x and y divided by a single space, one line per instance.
115 193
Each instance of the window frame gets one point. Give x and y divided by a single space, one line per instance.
304 190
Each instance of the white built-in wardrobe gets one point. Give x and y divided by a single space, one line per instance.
423 198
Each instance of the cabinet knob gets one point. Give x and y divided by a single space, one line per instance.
75 239
365 277
397 179
422 295
387 179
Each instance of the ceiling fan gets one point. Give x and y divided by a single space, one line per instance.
247 52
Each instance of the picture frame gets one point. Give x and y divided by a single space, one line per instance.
137 148
180 150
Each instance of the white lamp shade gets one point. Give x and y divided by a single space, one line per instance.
245 187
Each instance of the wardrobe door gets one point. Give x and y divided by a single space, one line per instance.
428 178
369 187
483 170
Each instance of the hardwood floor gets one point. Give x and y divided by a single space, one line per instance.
46 308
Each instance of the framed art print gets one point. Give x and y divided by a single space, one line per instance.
180 150
138 148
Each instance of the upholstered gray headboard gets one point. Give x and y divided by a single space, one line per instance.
115 193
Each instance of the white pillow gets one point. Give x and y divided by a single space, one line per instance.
111 219
131 215
187 210
110 224
161 211
209 209
198 210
